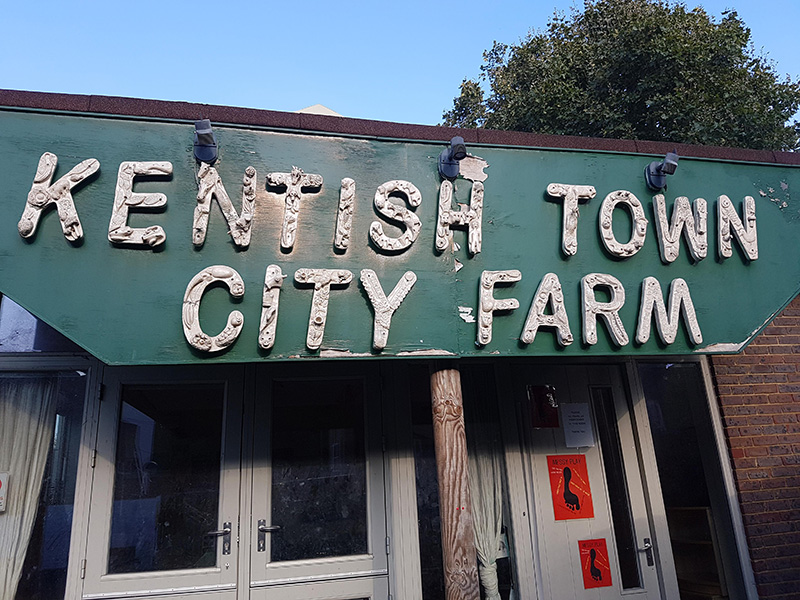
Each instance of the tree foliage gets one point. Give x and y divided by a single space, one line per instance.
636 69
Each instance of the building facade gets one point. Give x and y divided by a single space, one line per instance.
319 365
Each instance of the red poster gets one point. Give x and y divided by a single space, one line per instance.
594 563
569 483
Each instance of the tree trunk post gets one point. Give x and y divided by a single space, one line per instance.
455 509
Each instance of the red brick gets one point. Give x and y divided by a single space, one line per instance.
760 420
756 451
759 495
786 574
759 398
765 430
770 461
785 471
767 528
747 485
739 441
777 482
783 591
785 418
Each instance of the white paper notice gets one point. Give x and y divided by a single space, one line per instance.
577 425
3 489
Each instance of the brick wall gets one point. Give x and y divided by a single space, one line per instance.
759 396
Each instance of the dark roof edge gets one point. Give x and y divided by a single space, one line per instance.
133 107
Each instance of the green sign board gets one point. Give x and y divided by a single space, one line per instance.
297 245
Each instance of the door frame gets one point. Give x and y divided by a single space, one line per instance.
523 505
719 445
399 483
96 582
330 572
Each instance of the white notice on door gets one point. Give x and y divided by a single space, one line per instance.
577 425
3 490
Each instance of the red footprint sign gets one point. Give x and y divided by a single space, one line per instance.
594 563
569 484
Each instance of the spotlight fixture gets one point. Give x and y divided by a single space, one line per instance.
655 174
205 143
449 159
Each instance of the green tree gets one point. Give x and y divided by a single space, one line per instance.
636 69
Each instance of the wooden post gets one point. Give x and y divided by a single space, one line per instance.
455 509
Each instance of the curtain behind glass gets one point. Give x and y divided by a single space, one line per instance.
27 412
486 467
486 492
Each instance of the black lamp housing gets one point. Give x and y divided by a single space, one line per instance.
450 158
655 174
205 143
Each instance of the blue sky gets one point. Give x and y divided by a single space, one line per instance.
390 61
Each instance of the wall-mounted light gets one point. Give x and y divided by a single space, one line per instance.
655 174
205 144
449 159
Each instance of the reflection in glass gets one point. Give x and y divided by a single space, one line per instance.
167 477
319 482
20 331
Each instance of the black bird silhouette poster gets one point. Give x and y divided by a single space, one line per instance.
569 484
594 563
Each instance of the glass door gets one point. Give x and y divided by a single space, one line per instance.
591 518
165 501
317 524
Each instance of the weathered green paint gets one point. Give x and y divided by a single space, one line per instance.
124 305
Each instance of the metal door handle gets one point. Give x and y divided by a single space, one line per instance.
648 551
225 534
263 530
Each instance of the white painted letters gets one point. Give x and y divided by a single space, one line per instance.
470 217
571 194
119 232
344 219
694 227
639 231
680 302
729 225
488 304
43 194
385 307
609 311
321 279
549 293
210 186
397 213
294 182
273 280
192 331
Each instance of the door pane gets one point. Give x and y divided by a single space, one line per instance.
319 482
698 514
167 482
44 573
605 412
